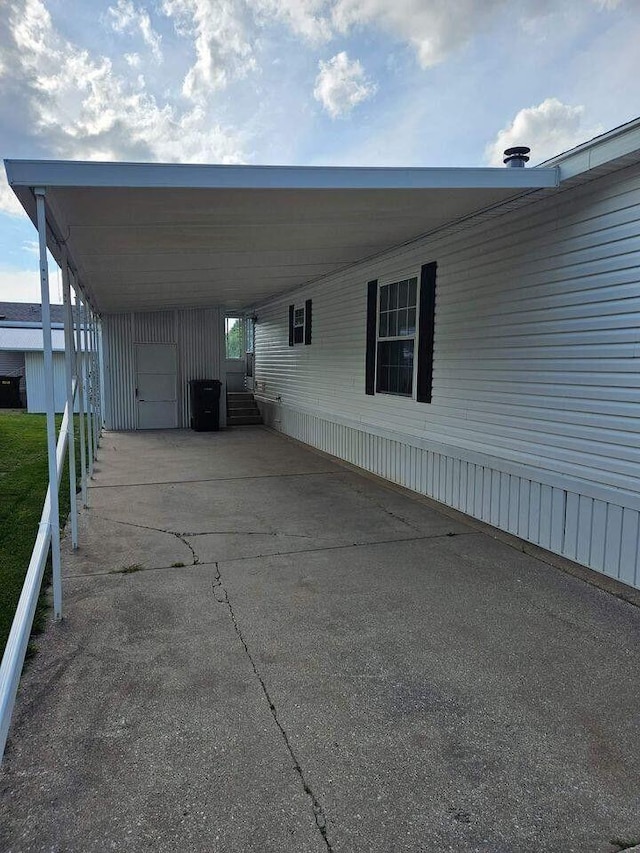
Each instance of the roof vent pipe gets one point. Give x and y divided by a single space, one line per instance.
516 158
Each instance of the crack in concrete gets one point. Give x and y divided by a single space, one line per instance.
222 597
188 533
278 553
178 536
256 533
215 480
361 493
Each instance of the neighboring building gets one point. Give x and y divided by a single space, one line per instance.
470 334
21 352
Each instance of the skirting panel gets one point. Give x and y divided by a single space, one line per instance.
598 534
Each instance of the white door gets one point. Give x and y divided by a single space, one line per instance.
156 386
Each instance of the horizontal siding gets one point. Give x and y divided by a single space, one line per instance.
196 333
12 364
536 368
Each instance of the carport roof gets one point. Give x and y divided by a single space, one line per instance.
153 236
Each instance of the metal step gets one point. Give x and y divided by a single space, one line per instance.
241 411
239 395
244 420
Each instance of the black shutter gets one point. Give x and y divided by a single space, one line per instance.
426 326
307 321
372 312
291 310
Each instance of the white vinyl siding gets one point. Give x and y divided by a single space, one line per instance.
12 364
536 372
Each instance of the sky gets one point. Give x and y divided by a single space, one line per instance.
302 82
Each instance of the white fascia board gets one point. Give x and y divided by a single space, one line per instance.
615 144
58 173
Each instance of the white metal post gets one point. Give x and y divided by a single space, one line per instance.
70 370
88 386
50 401
99 377
81 401
96 383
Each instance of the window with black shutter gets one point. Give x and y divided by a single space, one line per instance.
400 332
300 324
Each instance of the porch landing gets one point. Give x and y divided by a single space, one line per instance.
264 651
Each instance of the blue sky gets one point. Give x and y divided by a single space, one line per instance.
341 82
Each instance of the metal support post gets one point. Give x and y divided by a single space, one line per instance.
88 386
99 377
81 401
96 384
70 371
50 404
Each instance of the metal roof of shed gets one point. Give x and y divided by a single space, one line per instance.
153 236
29 340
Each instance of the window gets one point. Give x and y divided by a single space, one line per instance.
298 325
396 337
399 336
234 339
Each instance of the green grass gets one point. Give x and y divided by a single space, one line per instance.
23 485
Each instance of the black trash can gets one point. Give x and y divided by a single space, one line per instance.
204 403
10 392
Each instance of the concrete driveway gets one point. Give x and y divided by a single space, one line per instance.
265 651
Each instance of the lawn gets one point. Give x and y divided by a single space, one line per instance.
23 485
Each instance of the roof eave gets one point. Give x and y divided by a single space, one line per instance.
59 173
614 146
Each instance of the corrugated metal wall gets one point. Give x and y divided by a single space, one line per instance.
196 333
34 381
535 419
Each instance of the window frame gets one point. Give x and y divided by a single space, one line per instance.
396 277
300 326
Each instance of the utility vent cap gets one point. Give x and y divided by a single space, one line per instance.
516 157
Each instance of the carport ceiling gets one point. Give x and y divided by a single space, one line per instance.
151 236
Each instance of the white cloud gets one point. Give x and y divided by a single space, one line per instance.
437 28
8 201
548 129
220 30
24 285
307 18
85 110
126 18
341 84
82 109
434 29
32 247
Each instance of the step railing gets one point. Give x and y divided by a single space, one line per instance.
18 641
